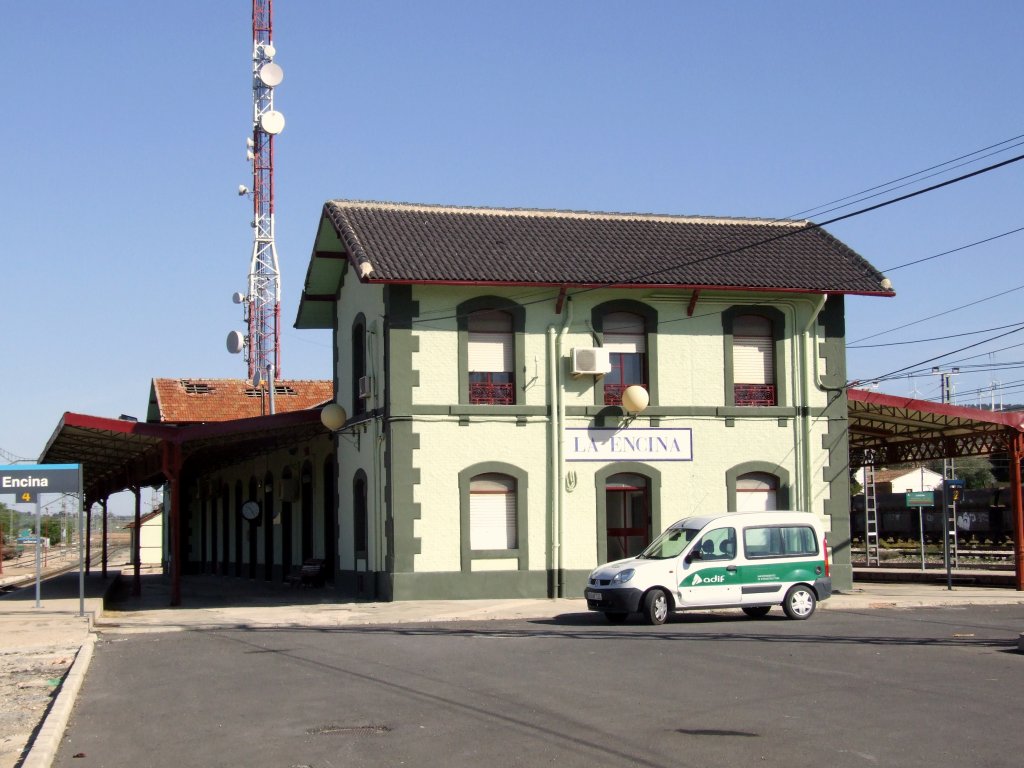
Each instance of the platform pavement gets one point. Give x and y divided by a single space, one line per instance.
63 619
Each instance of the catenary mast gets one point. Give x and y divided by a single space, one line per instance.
263 302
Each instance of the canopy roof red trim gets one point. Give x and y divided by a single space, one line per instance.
118 454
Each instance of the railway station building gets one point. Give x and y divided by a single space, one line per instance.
520 395
530 393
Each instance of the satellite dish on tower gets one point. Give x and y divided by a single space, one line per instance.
238 298
236 342
257 379
272 122
271 74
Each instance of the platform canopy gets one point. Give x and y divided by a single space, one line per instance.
119 454
888 429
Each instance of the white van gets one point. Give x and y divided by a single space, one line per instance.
748 560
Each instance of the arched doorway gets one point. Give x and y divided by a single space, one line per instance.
627 515
306 511
330 519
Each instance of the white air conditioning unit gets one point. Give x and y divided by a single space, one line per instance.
365 387
590 360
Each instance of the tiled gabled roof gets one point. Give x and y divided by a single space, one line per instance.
196 401
420 243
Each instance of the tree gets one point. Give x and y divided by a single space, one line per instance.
975 471
9 519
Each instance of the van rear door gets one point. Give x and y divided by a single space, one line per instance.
775 557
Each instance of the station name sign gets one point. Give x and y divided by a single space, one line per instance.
638 444
26 481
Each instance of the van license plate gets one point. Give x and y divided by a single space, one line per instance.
593 595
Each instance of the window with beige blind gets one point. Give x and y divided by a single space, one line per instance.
753 359
491 358
492 512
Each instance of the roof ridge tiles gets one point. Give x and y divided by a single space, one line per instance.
563 213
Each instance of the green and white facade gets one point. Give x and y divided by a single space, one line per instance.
444 492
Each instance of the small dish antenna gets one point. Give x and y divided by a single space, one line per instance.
257 379
271 74
238 298
269 51
272 122
236 342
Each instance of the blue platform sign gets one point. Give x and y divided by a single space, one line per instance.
27 481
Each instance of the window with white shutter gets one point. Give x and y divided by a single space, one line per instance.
756 492
491 358
492 513
753 360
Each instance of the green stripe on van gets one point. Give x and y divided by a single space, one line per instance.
765 573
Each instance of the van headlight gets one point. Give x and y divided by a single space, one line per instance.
623 576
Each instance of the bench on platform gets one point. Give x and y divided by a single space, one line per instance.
309 574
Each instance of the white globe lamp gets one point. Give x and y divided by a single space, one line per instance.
635 398
333 417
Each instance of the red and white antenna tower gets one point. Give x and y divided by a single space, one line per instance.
263 302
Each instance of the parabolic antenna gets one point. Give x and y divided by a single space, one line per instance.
236 342
271 74
269 51
257 379
238 298
272 122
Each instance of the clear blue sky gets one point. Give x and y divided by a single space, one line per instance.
124 144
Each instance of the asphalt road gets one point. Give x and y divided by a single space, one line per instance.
924 687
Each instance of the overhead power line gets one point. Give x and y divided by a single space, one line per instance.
953 250
810 211
944 355
774 238
936 338
938 314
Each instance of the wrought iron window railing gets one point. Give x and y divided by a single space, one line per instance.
487 393
754 394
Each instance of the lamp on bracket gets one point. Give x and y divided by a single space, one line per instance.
335 419
634 400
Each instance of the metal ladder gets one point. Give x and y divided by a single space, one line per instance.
870 516
951 540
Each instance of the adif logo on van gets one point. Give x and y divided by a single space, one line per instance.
697 580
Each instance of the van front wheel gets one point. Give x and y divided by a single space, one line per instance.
800 602
655 607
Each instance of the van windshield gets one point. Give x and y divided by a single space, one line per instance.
669 544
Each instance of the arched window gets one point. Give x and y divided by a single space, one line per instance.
492 512
360 519
358 365
625 338
491 358
756 492
753 355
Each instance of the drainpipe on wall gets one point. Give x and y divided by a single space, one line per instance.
805 394
560 591
553 454
556 402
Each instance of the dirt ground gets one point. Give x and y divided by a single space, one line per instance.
30 676
28 682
